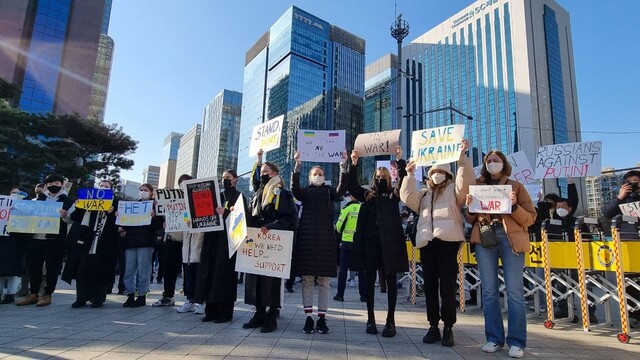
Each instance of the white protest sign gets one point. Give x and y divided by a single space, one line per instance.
379 143
266 254
441 145
534 190
176 216
569 160
321 146
134 213
266 136
521 169
490 199
166 196
236 226
5 208
631 209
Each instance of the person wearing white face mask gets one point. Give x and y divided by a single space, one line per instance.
315 252
440 231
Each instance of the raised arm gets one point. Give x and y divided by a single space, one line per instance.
354 187
255 173
409 194
465 176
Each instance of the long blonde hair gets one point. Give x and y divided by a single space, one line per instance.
372 184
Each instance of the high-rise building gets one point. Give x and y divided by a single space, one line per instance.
311 72
151 175
101 76
49 48
508 64
187 160
129 190
220 134
169 158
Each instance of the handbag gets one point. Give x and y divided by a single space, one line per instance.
488 237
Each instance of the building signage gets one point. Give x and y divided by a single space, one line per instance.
309 21
473 12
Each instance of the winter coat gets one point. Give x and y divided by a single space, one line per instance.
515 224
379 241
611 210
191 247
544 211
12 254
315 252
143 236
440 217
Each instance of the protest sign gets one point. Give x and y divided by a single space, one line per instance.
5 208
321 146
490 199
266 136
379 143
521 169
167 196
393 169
34 217
236 226
579 159
534 190
631 209
134 213
176 216
441 145
95 199
202 197
266 254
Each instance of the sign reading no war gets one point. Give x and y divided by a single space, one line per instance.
441 145
321 146
490 199
94 199
569 160
34 217
379 143
266 136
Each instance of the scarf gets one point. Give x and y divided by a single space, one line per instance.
270 190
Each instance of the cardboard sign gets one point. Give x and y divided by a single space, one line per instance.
236 226
321 146
569 160
521 169
266 136
166 196
202 197
441 145
95 199
134 213
266 254
534 190
631 209
490 199
379 143
176 216
34 217
5 209
393 169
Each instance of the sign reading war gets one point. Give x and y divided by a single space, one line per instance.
490 199
134 213
441 145
34 217
202 197
266 136
321 146
379 143
580 159
94 199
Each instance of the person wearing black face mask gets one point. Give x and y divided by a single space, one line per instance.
379 241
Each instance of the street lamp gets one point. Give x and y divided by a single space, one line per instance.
451 108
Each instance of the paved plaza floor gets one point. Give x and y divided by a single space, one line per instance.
114 332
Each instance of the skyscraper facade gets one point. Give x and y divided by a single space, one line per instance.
169 157
100 88
311 72
188 153
220 134
151 175
508 64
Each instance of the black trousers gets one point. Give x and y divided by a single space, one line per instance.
345 253
189 276
172 261
440 270
48 253
392 294
96 293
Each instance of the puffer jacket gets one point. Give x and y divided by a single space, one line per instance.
191 247
440 217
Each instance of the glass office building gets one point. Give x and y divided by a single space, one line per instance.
311 72
169 158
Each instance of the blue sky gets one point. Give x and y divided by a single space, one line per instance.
172 57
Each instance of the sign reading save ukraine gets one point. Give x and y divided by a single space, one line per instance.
441 145
321 145
34 217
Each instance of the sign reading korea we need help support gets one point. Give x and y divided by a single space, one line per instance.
631 209
321 146
165 197
236 226
134 213
266 136
521 169
569 160
202 197
94 199
266 254
441 145
490 199
379 143
34 217
5 209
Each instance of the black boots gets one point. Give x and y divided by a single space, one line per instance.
371 327
130 300
140 301
447 337
270 324
8 299
432 336
225 313
257 320
389 329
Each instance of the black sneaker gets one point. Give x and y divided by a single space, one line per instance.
447 337
371 327
308 326
321 325
338 298
432 336
389 330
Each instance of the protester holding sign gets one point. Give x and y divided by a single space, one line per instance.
12 249
502 237
93 252
379 241
47 249
315 253
272 207
139 242
440 232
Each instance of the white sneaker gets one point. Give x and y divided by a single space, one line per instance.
199 310
515 352
491 347
187 307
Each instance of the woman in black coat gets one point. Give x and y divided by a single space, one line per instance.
379 241
12 255
315 253
272 208
92 255
217 284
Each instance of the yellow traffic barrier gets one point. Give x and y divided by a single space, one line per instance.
618 263
461 297
549 323
581 277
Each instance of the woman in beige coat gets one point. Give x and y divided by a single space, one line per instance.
439 235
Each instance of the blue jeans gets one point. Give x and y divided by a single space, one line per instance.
345 254
137 273
513 268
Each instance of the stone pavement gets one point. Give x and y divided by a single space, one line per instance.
113 332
